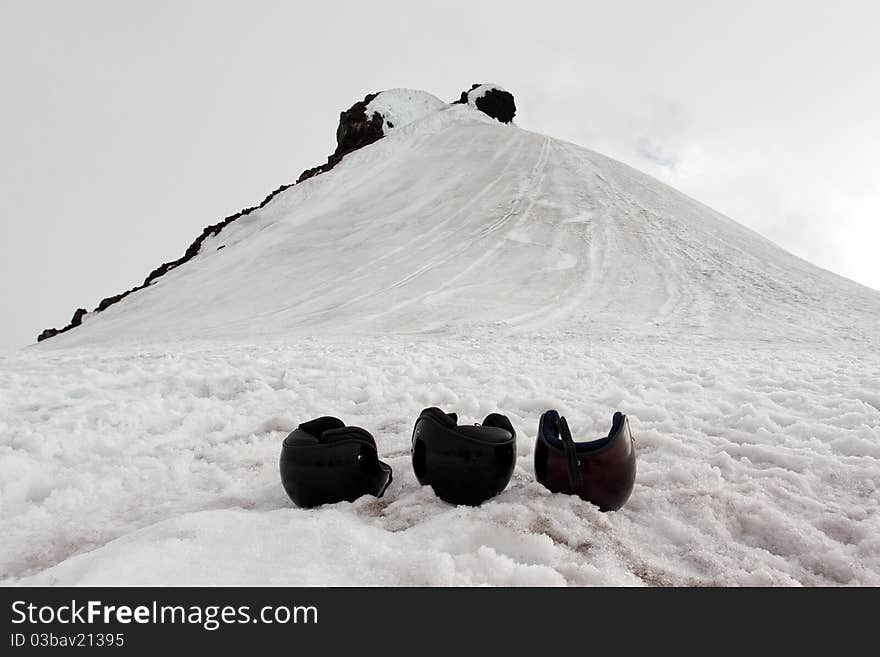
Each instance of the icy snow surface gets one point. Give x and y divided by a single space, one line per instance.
477 267
400 107
479 92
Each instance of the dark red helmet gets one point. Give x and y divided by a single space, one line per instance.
323 461
601 471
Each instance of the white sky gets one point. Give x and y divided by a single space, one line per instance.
126 127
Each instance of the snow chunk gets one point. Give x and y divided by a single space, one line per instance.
400 107
480 91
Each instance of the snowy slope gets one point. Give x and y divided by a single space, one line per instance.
472 265
458 221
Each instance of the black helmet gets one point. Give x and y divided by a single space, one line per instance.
602 471
323 461
464 465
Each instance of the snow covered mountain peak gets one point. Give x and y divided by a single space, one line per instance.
461 221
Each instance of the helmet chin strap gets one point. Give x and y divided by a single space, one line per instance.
574 470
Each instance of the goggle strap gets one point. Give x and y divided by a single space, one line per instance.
574 470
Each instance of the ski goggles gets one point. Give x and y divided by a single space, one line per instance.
323 462
463 464
601 471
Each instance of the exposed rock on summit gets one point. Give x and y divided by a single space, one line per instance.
491 100
355 131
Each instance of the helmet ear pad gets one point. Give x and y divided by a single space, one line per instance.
463 464
445 419
346 433
318 426
500 421
548 426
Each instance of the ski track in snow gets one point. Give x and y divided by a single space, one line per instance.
756 465
462 263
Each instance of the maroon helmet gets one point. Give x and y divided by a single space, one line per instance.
601 471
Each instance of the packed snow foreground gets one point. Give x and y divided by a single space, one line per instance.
472 265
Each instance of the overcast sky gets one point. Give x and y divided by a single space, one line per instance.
125 127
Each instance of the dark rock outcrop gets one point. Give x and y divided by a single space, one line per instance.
355 131
76 321
78 317
463 99
47 333
497 103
